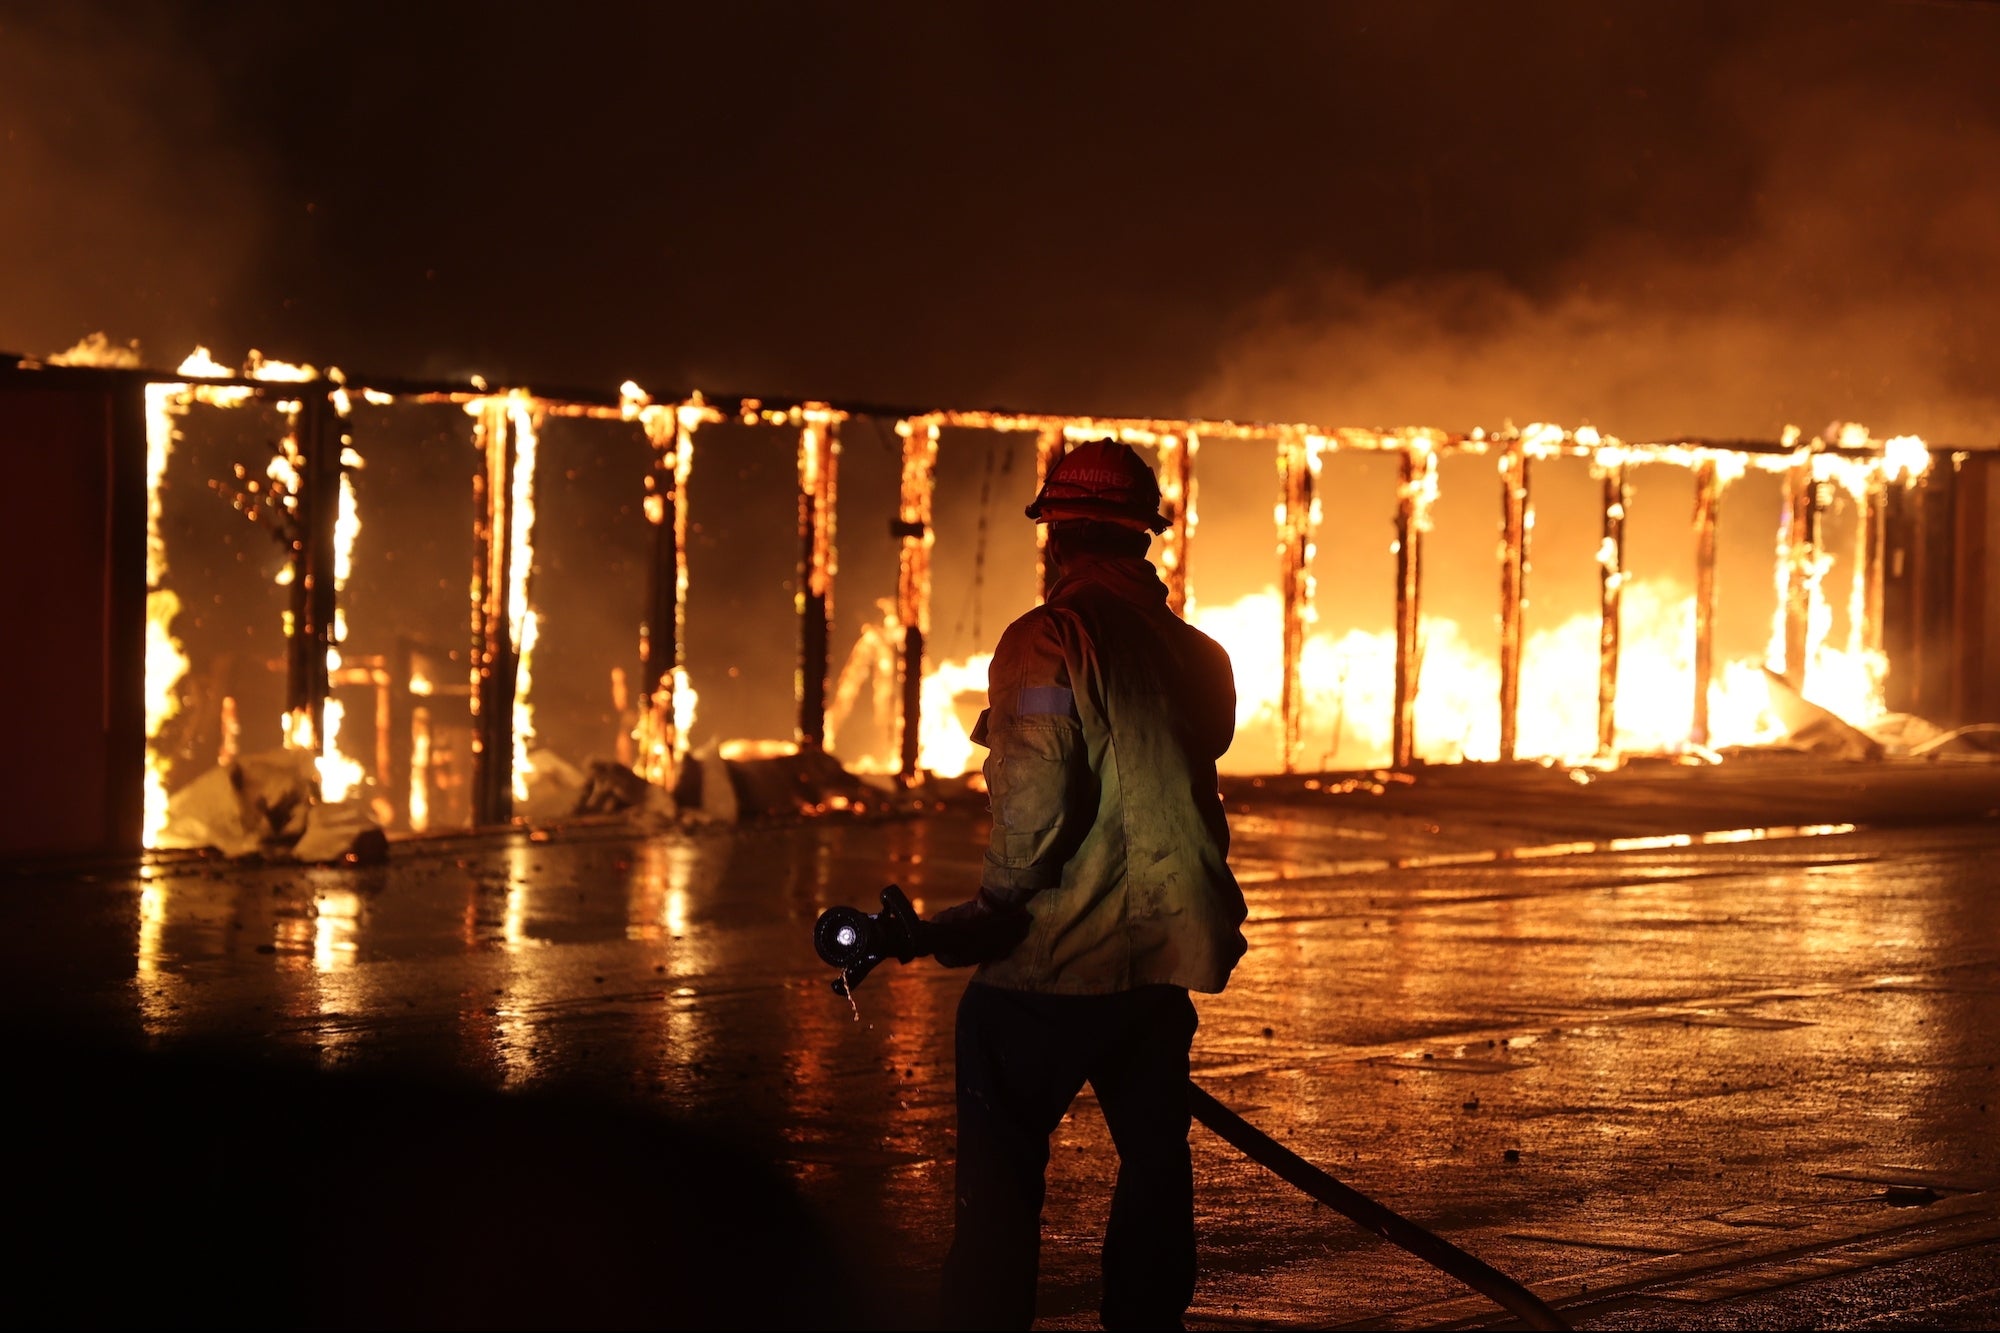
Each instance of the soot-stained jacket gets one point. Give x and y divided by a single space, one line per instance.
1107 713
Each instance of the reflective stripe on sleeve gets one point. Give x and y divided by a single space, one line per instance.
1046 701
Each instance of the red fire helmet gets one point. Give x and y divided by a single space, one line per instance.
1103 480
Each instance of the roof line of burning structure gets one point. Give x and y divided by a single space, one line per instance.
578 401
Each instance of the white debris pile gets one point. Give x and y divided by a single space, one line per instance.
557 790
729 782
1907 734
612 788
1812 729
264 805
554 786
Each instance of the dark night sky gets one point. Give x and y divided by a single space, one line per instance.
1663 218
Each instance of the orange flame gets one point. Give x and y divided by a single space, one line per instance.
1347 682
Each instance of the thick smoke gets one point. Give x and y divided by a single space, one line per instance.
1849 275
123 207
1860 286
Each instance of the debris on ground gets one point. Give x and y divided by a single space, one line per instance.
1814 729
728 782
341 831
264 804
554 786
611 788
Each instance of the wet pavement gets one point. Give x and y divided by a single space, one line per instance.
1690 1048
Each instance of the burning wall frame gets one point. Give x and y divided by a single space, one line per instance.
1918 544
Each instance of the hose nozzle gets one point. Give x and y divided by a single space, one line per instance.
856 941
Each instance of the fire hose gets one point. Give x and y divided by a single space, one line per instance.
856 942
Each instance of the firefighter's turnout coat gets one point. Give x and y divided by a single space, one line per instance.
1107 713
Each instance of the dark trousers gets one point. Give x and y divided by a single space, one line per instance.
1022 1058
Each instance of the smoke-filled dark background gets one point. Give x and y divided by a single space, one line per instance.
1664 219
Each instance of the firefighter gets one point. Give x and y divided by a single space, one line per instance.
1105 898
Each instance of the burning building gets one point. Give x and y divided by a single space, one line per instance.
446 602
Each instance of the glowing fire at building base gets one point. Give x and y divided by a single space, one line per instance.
1639 674
1637 677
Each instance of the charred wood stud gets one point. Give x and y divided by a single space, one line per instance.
1869 551
301 716
659 637
1513 588
1177 499
1796 556
1298 508
319 506
1611 590
1707 492
1416 488
913 581
1970 501
670 428
492 647
524 419
819 451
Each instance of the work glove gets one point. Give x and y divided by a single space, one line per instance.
978 931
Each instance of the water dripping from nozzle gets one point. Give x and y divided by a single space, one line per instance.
844 988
